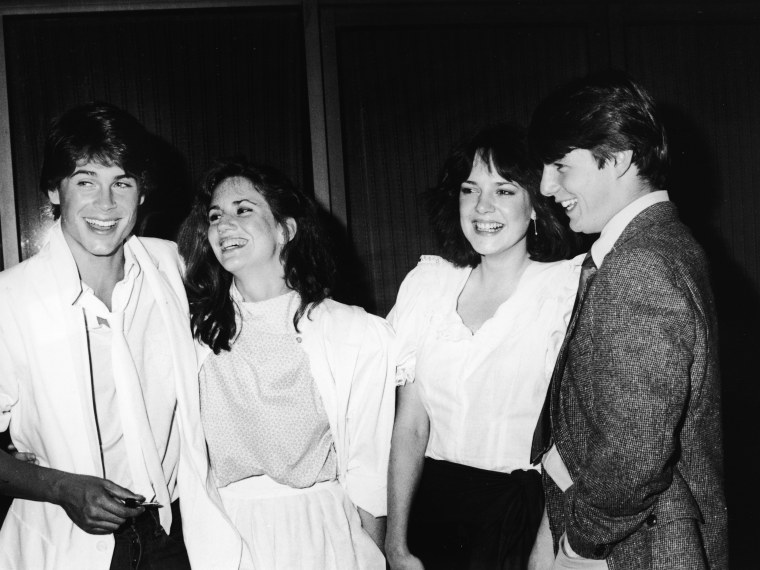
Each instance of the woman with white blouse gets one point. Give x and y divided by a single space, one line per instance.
478 332
295 407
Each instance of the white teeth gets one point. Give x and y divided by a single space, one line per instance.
101 224
569 204
488 226
231 243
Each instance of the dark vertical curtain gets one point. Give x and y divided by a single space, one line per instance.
706 74
209 83
408 94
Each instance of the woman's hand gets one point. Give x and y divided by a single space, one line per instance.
402 559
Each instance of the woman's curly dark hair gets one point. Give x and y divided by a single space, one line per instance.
309 268
504 147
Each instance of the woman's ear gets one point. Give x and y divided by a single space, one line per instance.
288 230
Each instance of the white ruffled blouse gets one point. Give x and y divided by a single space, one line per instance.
482 391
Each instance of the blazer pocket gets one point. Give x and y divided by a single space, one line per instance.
673 529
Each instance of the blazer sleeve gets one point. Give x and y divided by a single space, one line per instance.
642 321
370 418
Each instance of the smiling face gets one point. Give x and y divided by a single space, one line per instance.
494 212
242 231
98 210
585 191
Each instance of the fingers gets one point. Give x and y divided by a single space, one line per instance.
124 501
26 456
94 504
121 492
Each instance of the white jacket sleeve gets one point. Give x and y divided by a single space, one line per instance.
8 383
370 418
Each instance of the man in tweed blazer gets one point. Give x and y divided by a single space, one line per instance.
633 459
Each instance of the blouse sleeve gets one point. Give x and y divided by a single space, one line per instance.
408 315
370 418
565 287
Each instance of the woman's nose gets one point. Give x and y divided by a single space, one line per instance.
485 203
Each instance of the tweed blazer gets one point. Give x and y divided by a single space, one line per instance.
636 417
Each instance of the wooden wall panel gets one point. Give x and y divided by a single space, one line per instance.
208 82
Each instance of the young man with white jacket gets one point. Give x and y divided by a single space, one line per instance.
93 338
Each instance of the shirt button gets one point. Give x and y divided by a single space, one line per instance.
102 546
299 339
652 520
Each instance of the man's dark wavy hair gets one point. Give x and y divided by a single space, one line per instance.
504 147
309 268
603 113
99 132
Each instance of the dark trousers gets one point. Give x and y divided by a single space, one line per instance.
142 543
465 518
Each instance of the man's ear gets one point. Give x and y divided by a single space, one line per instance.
142 199
621 161
288 230
55 197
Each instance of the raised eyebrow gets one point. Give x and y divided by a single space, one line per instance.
235 203
93 174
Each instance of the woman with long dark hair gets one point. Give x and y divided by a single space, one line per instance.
296 398
479 329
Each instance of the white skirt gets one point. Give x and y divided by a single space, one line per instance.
317 528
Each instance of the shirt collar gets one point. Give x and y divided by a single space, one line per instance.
65 268
617 224
63 264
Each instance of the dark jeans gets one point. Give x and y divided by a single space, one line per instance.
142 543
